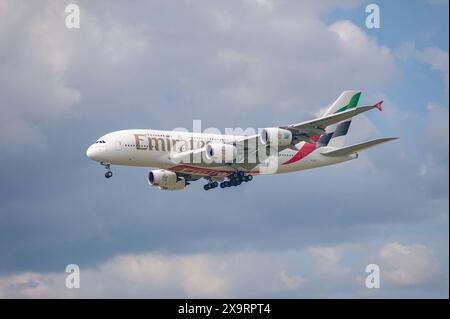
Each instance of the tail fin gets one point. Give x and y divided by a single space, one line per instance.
335 134
347 100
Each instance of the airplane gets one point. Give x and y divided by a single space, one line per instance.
179 158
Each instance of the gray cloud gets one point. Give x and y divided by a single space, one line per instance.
242 274
241 63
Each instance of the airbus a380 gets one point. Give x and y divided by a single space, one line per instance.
230 160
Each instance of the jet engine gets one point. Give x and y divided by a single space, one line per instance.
275 136
166 180
221 153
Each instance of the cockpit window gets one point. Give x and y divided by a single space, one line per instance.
100 142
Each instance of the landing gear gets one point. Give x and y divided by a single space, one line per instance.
224 184
210 185
236 179
107 166
237 175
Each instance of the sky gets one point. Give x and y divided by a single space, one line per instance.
248 63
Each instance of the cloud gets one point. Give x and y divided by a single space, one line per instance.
263 79
438 2
433 56
408 265
33 71
159 275
159 64
434 169
39 58
438 60
328 259
291 281
310 272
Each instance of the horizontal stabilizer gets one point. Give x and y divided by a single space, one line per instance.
357 147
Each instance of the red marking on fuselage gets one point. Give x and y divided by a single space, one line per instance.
304 151
194 170
315 138
212 172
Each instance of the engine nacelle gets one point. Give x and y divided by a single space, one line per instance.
166 180
275 136
221 153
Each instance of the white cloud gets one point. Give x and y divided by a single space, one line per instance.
329 259
436 58
291 281
438 2
265 4
290 70
158 275
408 265
241 274
437 127
434 169
39 55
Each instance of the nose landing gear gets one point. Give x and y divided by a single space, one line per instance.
107 166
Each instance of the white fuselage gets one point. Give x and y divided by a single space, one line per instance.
154 148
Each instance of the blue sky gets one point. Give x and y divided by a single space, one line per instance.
154 64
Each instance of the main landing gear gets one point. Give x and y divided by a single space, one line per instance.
234 179
210 185
107 166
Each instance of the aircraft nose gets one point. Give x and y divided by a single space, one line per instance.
94 151
90 152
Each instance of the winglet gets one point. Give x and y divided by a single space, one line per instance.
378 105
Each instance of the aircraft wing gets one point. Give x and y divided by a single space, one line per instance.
317 126
357 147
305 130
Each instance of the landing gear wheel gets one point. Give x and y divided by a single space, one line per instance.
107 166
210 185
249 177
223 185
